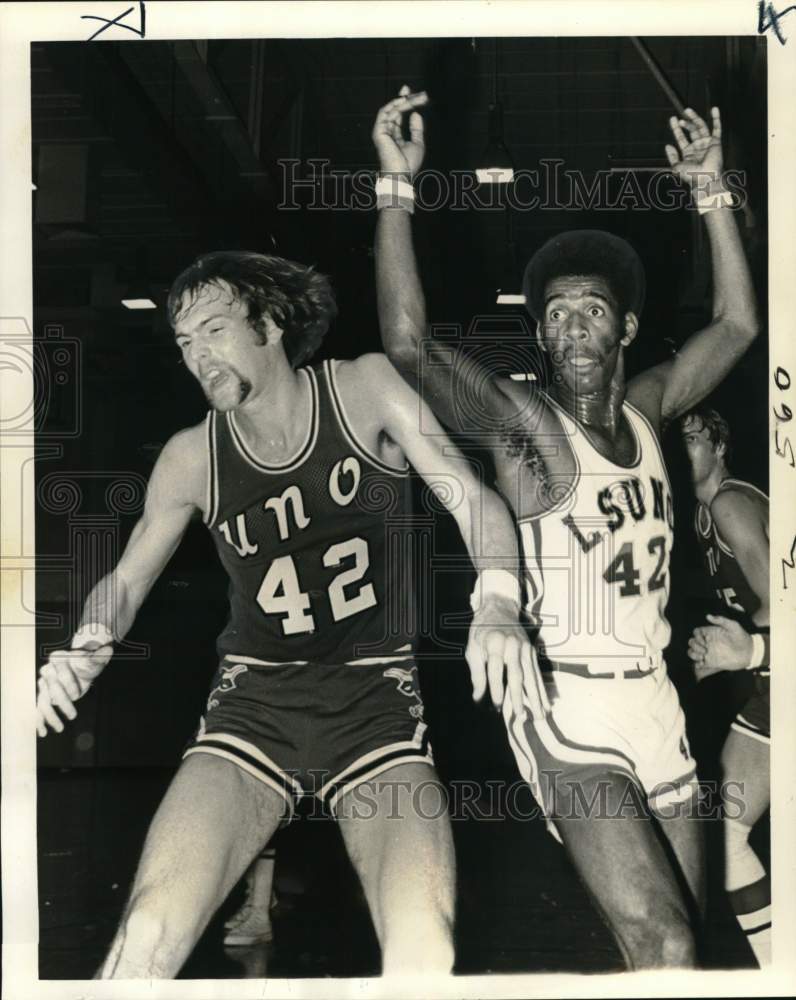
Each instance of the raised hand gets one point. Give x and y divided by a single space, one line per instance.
500 655
396 153
697 159
64 678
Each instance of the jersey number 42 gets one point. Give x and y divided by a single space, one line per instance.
280 592
623 570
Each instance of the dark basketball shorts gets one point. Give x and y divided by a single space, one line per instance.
312 728
629 723
754 719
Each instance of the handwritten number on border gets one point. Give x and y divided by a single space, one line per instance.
108 22
782 380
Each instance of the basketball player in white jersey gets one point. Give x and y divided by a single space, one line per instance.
731 524
580 464
301 476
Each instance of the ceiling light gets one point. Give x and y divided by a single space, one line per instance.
498 166
508 299
495 175
138 304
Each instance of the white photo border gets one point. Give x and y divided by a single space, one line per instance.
21 24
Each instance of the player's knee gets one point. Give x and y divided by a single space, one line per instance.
657 936
418 936
678 950
422 945
155 928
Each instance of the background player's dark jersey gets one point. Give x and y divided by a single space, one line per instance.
726 576
313 547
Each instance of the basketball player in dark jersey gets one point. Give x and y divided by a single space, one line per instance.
731 523
301 477
580 465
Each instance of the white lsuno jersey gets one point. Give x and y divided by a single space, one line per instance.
597 564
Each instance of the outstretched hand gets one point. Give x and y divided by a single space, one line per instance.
724 644
396 153
66 676
500 656
697 159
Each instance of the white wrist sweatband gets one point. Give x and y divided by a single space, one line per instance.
93 634
495 583
713 198
758 651
393 192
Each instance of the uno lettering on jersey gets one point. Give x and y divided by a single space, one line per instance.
597 565
305 542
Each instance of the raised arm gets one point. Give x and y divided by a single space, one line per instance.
708 355
497 640
113 603
441 378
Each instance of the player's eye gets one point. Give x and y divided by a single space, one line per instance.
555 315
595 311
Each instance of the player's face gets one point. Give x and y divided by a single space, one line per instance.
219 346
582 331
701 453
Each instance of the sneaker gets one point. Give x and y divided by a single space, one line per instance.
247 927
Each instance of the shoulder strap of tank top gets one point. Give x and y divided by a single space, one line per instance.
730 482
569 423
211 431
347 428
646 436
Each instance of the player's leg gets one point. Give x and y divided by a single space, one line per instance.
212 821
582 763
397 834
251 923
746 796
683 830
620 858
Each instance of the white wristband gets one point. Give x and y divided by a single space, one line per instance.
758 651
710 200
495 583
93 634
393 192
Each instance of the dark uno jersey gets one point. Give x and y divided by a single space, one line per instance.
312 547
726 576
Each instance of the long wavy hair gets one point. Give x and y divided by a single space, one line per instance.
297 298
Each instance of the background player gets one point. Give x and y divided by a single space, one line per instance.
731 523
298 475
581 467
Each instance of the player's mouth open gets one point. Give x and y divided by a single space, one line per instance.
213 377
582 362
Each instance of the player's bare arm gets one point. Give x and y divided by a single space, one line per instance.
175 492
669 389
391 415
401 304
724 644
743 524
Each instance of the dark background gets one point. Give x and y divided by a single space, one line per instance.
147 154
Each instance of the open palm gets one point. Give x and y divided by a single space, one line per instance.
698 155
